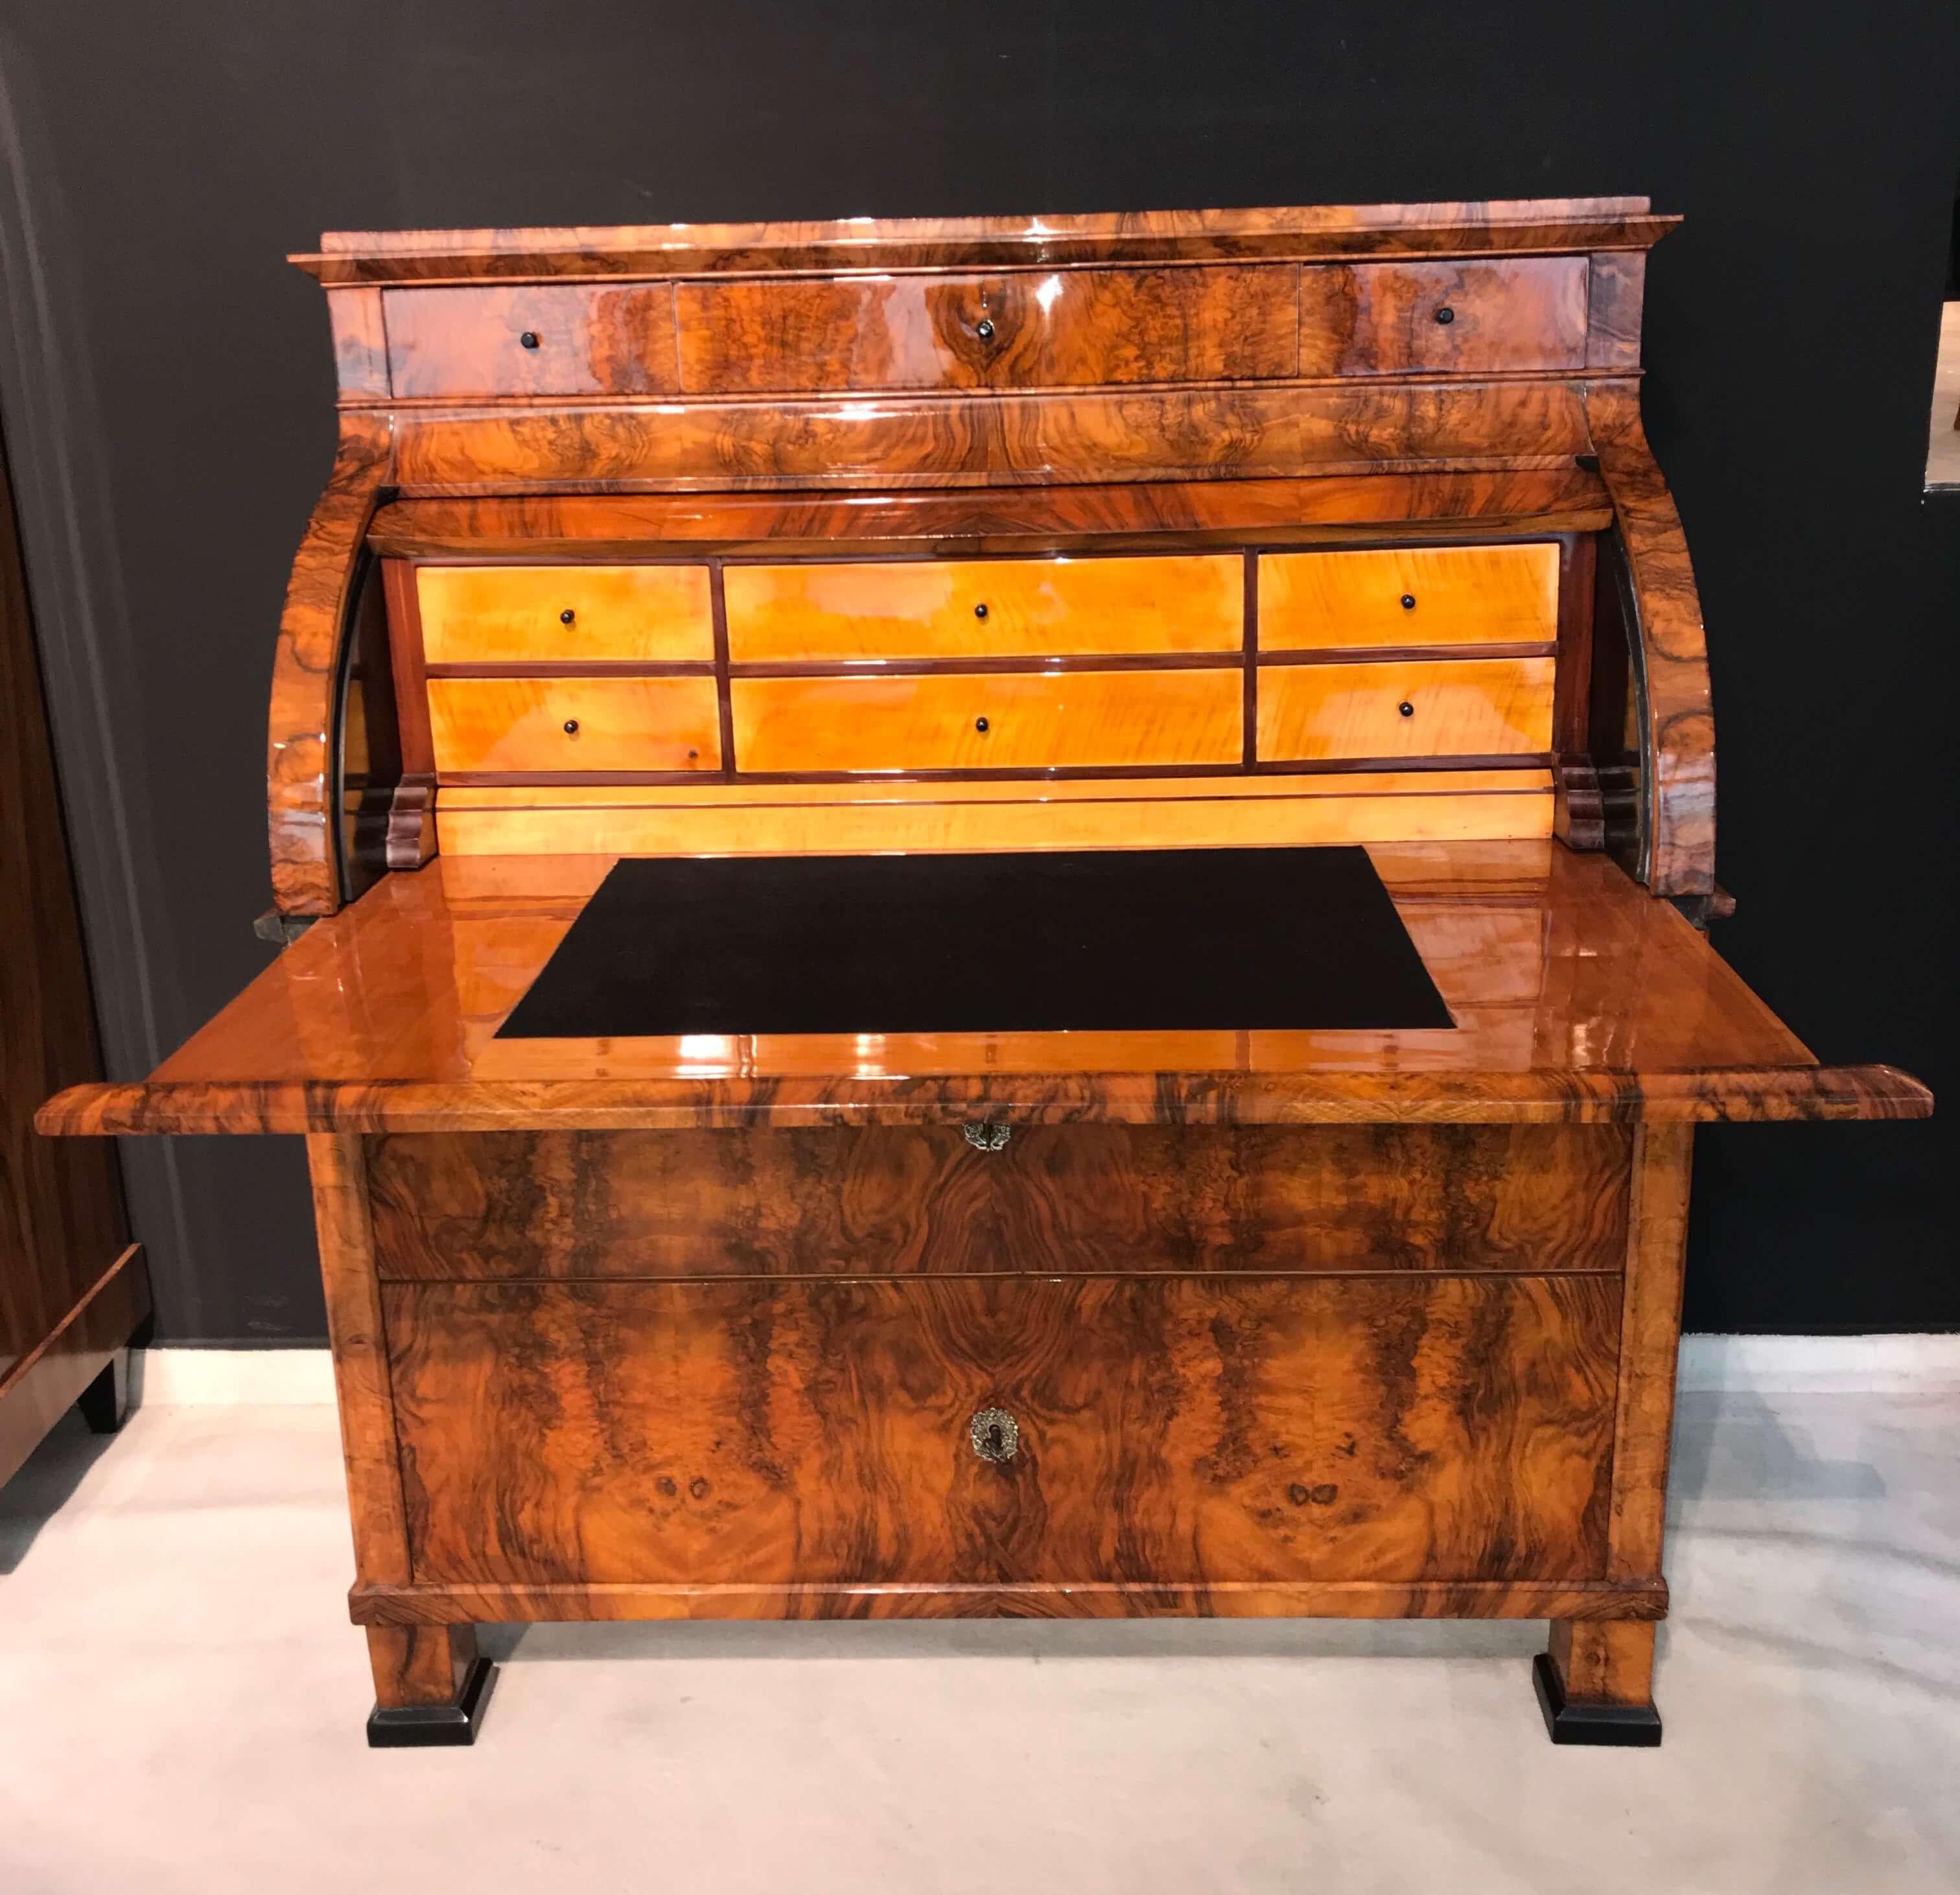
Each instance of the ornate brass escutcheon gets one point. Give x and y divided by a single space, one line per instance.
988 1138
996 1435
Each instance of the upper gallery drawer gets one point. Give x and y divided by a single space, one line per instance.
1057 328
531 339
1015 721
1407 595
1466 707
575 724
984 608
503 614
1387 319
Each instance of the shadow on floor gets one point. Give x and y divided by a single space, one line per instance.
1737 1447
50 1475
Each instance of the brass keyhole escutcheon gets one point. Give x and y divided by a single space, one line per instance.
988 1137
995 1434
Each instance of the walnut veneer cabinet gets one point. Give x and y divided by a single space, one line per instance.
1246 530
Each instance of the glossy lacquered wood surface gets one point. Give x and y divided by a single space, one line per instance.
575 724
462 343
1409 596
382 1018
1405 707
1174 1429
948 608
1463 317
981 721
565 613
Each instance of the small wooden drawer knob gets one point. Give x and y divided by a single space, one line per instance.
529 339
984 329
571 727
567 616
980 611
995 1434
1409 601
1406 708
1446 315
980 724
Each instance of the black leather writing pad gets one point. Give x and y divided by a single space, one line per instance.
1194 938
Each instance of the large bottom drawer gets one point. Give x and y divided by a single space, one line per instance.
1178 1430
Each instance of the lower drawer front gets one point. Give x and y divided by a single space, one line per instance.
1464 707
1178 1430
569 723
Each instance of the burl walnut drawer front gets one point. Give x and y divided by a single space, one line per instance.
490 614
1175 1429
1053 329
1408 595
949 721
901 1200
1468 707
1388 319
528 724
531 339
985 608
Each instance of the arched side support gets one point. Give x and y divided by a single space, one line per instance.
1669 653
306 671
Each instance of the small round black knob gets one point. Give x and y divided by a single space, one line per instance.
979 611
567 616
691 755
980 724
529 339
1446 315
984 329
1409 601
571 727
1406 708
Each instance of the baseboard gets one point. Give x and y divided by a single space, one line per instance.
1733 1364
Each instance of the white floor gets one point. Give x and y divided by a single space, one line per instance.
181 1702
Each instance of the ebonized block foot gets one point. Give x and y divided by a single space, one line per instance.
1635 1726
421 1726
105 1401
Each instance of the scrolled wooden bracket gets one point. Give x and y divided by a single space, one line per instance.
306 670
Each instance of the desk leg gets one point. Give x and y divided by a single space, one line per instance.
1595 1682
430 1685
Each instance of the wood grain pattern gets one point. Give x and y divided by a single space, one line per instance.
1514 226
1609 1662
1461 595
305 660
419 1665
1078 718
360 344
907 1200
1051 328
1172 1430
984 608
1470 707
1376 319
490 614
575 724
462 343
1618 287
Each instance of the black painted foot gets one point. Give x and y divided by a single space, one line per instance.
1635 1726
105 1401
418 1726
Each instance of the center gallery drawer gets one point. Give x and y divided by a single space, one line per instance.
1157 1430
984 608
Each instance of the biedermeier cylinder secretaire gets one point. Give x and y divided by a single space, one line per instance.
997 916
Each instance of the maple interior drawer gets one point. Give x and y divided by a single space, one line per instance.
531 339
906 1200
566 724
1408 596
955 721
984 608
501 615
1388 319
1168 1429
1397 708
1044 329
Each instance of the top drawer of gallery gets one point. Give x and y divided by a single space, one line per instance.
1393 319
985 608
1409 596
564 614
531 339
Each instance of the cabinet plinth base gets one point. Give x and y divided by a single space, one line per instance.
422 1726
1631 1726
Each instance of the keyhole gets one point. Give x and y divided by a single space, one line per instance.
994 1437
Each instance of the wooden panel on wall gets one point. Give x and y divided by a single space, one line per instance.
1409 595
1050 329
575 724
1170 1429
984 608
532 338
1460 707
483 614
1386 318
1058 1199
966 721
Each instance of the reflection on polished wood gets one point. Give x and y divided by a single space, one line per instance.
1409 595
1376 318
575 724
992 608
1461 707
485 614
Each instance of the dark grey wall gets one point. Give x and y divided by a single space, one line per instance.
167 394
